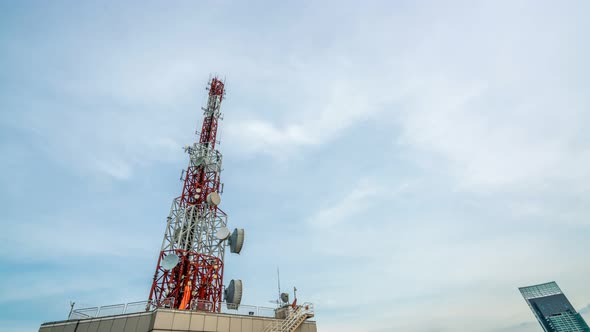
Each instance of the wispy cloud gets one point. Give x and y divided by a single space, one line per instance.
318 119
430 157
347 208
62 239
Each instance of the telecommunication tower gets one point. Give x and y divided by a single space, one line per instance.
189 274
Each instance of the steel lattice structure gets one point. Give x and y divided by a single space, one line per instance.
193 223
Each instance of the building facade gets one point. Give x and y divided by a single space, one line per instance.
552 309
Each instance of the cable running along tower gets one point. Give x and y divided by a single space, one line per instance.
189 274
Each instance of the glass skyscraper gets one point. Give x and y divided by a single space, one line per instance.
552 309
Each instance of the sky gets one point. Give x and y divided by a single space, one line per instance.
406 164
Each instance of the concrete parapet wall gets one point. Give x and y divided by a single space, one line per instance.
166 320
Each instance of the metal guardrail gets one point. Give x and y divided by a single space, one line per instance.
248 310
109 310
143 306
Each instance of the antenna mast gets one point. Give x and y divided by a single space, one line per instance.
189 273
279 286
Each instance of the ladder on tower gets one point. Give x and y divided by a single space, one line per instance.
293 321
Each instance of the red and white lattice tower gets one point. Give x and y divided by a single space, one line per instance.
189 274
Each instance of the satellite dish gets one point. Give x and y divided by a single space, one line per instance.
213 198
222 234
236 240
285 297
170 261
233 294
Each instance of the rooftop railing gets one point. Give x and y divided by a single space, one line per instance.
109 310
143 306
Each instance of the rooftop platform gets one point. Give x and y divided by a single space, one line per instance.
167 320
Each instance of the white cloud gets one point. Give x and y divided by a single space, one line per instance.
487 101
261 136
357 200
520 145
324 115
381 259
501 103
53 285
55 239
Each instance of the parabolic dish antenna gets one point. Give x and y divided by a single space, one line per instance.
236 240
223 233
170 261
213 198
285 297
233 294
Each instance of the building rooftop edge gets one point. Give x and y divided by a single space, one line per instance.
155 311
543 284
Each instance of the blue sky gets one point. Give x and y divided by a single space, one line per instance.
407 164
